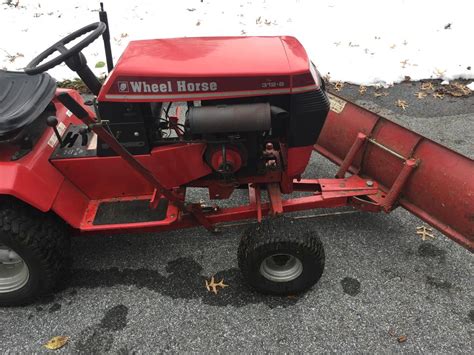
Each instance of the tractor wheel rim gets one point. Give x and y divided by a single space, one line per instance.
281 268
14 272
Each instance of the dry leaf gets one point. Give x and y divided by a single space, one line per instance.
362 89
427 86
212 285
402 339
438 95
378 94
454 89
56 343
404 63
421 95
439 72
292 297
425 233
402 104
338 85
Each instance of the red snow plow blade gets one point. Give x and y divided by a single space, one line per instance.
429 180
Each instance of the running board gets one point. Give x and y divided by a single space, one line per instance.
127 213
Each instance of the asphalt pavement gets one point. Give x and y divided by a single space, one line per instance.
383 290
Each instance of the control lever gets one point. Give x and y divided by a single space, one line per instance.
83 131
52 121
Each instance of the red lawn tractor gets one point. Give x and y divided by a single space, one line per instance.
249 112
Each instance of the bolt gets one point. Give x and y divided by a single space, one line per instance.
269 146
370 183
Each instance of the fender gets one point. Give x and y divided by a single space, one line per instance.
35 181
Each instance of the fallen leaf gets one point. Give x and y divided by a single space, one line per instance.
463 88
404 63
212 285
198 23
421 95
454 89
402 339
56 343
12 58
392 333
402 104
362 89
379 94
438 95
100 64
439 72
338 85
292 297
425 233
427 86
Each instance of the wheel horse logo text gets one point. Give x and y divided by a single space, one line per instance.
123 86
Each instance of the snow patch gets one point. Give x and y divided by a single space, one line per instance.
368 42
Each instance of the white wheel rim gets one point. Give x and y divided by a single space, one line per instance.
14 273
281 268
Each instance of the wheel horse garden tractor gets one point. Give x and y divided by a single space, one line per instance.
251 111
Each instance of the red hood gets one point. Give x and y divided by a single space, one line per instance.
200 68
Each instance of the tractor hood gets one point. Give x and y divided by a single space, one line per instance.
185 69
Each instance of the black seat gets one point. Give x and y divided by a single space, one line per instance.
23 98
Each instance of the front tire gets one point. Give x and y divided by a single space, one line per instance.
276 257
34 253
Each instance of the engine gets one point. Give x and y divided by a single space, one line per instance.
234 135
243 136
257 103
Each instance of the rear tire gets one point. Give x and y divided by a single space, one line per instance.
34 253
275 257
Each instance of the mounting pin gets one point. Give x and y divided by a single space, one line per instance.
370 183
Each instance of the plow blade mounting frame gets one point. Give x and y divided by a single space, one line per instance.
431 181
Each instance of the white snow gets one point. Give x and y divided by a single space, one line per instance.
369 42
471 86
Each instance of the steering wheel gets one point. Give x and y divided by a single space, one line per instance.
94 29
